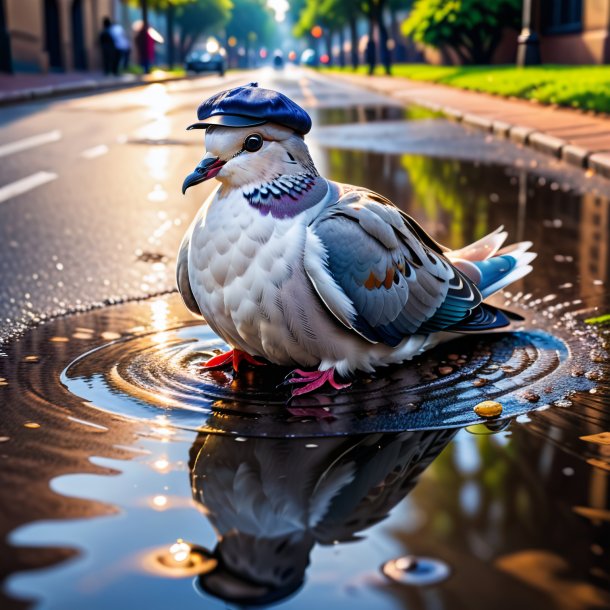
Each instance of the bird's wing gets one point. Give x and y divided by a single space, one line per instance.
378 272
182 275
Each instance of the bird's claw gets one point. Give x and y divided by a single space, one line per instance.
312 381
234 358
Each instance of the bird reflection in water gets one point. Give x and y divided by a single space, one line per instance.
271 500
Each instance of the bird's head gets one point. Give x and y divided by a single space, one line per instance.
242 156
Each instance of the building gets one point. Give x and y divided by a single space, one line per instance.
575 31
54 35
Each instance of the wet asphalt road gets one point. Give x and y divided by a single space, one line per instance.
90 203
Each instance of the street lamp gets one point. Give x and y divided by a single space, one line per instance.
528 51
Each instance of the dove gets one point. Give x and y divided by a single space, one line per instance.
294 269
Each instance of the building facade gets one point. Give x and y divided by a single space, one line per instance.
575 31
55 35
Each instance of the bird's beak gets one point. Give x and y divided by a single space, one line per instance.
208 167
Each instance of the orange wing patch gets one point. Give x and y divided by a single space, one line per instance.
373 282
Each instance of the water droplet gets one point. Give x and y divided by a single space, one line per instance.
181 559
593 375
311 446
531 396
4 439
417 571
31 424
568 471
563 402
59 339
31 358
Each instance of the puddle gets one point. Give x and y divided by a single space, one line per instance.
158 374
367 114
128 474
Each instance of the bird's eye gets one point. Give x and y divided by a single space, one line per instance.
253 142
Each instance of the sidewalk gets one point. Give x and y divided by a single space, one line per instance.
24 87
578 138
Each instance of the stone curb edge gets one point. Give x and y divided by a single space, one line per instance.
81 86
599 161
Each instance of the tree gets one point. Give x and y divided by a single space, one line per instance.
472 28
251 21
198 18
332 16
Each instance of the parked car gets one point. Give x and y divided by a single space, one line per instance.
203 61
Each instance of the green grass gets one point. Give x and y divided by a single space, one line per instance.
583 87
138 70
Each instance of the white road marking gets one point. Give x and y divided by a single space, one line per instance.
96 151
31 142
25 184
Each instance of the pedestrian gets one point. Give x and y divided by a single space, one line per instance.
109 50
145 45
122 46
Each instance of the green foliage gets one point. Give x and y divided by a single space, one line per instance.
201 17
329 14
251 20
157 5
472 28
582 87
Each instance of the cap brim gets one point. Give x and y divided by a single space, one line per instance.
227 120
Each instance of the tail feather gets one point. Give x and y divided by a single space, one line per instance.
493 267
482 249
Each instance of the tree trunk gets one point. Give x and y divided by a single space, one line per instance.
328 40
371 51
384 52
341 47
171 47
353 32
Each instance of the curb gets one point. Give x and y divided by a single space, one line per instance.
82 86
597 161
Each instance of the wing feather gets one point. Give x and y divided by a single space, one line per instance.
182 276
376 273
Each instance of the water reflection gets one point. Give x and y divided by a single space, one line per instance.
271 501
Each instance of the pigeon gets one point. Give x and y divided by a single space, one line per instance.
293 269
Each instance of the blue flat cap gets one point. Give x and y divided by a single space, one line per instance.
251 105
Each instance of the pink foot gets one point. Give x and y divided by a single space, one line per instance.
234 357
314 380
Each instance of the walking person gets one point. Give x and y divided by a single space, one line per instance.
109 50
122 46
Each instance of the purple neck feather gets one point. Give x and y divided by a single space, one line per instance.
288 195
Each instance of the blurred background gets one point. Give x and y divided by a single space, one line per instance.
41 36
